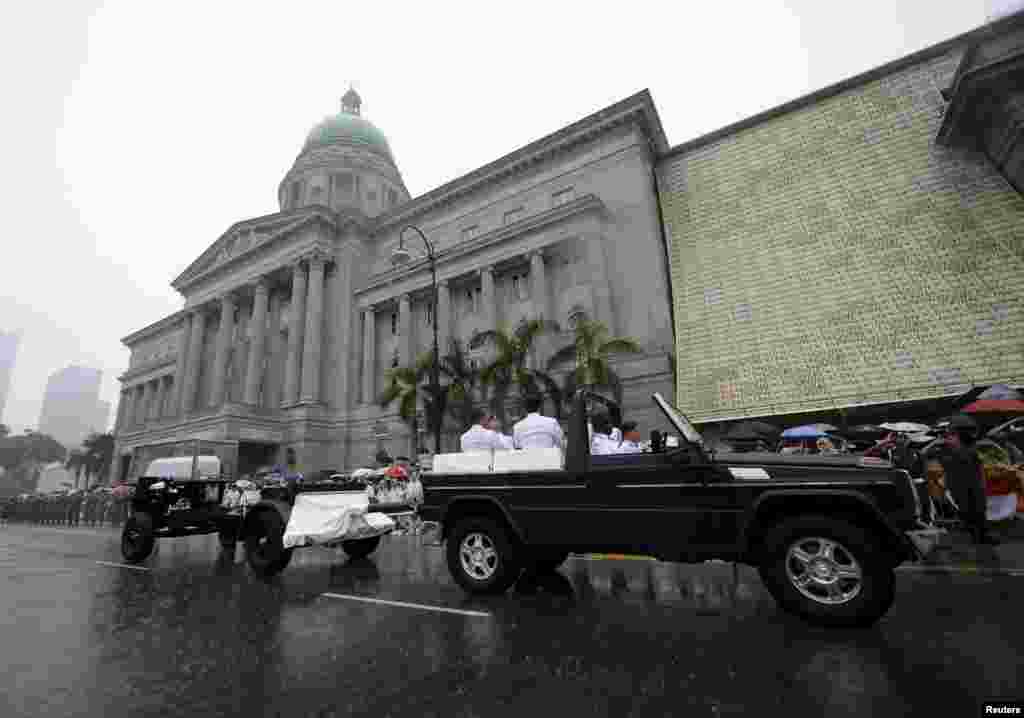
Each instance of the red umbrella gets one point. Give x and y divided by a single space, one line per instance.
995 406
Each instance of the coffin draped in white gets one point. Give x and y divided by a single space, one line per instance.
319 518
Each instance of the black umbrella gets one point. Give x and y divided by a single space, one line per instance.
864 432
752 431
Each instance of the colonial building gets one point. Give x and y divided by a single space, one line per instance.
291 320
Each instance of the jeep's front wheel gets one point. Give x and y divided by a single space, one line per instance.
828 571
482 557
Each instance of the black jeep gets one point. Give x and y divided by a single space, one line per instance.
824 532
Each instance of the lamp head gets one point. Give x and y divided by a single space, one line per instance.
400 256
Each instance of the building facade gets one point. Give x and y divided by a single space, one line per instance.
859 247
70 404
291 320
8 354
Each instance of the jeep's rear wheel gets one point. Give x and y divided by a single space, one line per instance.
264 544
482 557
828 571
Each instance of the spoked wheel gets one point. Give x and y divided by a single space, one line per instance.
138 538
360 548
481 556
828 571
264 546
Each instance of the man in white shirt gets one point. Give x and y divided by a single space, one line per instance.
601 441
630 443
479 437
491 422
536 431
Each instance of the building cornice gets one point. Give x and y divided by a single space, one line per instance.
148 367
300 219
588 203
157 327
877 73
638 109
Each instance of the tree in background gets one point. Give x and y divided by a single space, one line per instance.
409 386
509 368
592 351
76 463
464 387
99 454
5 431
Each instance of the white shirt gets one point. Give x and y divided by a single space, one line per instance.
602 444
629 447
480 438
537 432
506 441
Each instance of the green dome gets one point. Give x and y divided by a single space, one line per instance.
348 128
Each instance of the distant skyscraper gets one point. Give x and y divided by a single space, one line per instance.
70 410
8 351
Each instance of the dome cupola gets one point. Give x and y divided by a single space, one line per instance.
345 162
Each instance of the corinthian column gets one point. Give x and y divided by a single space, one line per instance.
181 367
146 395
194 362
369 353
258 331
444 316
404 331
314 330
487 296
539 295
220 362
297 312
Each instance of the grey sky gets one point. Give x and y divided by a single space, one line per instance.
136 133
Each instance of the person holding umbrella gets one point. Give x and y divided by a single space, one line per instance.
963 472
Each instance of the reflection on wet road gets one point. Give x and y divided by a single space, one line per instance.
197 634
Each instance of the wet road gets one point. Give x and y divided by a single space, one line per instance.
193 633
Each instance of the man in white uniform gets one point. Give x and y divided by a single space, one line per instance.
536 431
601 441
479 437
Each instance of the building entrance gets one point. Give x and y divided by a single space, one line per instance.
253 456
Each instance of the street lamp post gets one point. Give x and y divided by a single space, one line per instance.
400 256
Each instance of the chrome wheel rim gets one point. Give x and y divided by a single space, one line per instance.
478 556
823 570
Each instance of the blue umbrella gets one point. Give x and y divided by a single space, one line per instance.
808 431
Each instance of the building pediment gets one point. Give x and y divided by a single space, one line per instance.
245 240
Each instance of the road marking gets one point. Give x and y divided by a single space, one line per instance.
122 565
422 606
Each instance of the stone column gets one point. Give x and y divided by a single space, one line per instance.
487 296
193 364
220 362
539 297
369 354
123 411
602 287
145 397
444 316
181 367
257 334
158 399
404 331
297 312
311 353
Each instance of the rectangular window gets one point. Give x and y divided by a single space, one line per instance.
470 232
564 196
296 193
392 197
429 314
513 215
343 183
476 300
394 324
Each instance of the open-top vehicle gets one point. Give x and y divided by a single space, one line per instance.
824 532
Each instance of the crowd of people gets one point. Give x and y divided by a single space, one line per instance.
98 507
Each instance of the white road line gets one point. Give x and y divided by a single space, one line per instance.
422 606
122 565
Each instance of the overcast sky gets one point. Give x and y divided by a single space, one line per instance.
136 133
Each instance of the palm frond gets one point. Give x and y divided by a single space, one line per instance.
562 356
620 344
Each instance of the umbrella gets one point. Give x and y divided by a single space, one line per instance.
1001 391
906 427
752 431
995 406
920 438
808 431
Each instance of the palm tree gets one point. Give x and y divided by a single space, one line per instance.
410 385
464 386
99 454
75 463
592 351
509 368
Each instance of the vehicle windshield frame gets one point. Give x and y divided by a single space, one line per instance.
678 419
